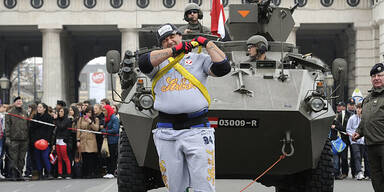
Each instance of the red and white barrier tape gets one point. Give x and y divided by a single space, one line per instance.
53 125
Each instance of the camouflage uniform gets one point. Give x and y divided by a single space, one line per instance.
16 134
195 28
372 128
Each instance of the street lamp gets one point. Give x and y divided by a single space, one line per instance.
4 85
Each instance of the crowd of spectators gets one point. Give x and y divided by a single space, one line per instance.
62 142
354 156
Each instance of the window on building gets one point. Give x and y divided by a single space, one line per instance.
142 3
326 3
276 2
353 3
199 2
116 3
302 3
169 3
90 3
10 4
37 4
63 3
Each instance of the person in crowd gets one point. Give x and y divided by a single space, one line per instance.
5 169
98 109
192 14
80 108
340 125
340 106
371 126
73 115
29 167
51 111
60 104
358 147
39 132
351 106
86 142
63 142
16 138
85 105
2 127
116 110
112 126
105 101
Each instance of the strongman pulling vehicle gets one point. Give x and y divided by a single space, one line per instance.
264 109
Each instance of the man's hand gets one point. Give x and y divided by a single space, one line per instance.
183 47
355 136
187 31
201 40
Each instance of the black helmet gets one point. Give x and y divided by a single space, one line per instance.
192 6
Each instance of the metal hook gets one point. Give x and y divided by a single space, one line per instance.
288 140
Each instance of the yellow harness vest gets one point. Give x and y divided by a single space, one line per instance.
174 63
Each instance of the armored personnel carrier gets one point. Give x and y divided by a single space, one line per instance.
260 111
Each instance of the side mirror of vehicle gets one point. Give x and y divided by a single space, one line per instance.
113 60
339 67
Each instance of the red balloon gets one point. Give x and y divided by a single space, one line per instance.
41 144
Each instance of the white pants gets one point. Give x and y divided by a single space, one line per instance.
186 158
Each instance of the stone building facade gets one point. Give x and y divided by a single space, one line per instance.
69 33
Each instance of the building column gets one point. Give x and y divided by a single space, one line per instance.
129 39
364 56
381 40
53 69
350 53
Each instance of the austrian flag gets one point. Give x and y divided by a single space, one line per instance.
217 18
213 121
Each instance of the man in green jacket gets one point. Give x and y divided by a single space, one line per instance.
372 126
16 138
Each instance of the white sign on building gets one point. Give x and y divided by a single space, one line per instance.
97 86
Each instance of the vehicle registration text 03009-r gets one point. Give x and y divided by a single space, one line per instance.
242 123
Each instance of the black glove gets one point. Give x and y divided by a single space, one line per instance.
185 47
201 40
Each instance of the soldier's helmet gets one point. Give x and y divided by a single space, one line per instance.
257 39
192 6
259 42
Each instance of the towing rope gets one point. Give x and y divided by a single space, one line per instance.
53 125
269 168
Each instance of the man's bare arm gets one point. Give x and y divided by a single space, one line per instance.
217 55
158 56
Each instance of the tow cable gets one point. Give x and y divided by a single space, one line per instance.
269 168
286 141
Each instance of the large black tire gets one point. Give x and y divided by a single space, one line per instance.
320 179
131 177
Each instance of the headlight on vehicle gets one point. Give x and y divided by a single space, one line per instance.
316 103
146 101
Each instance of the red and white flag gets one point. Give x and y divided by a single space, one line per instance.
217 18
